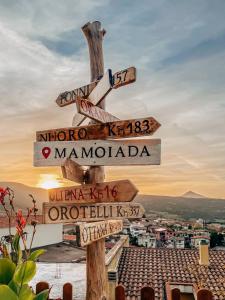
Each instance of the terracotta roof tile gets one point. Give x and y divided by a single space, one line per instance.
155 267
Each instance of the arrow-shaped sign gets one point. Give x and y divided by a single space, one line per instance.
74 212
94 112
114 191
88 233
112 130
119 79
103 87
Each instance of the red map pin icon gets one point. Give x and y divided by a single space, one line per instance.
46 152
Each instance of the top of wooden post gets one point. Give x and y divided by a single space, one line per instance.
94 35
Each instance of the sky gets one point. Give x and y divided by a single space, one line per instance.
178 48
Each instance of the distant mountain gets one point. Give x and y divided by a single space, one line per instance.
191 194
183 207
22 199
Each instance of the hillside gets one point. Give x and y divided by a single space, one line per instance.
186 208
22 199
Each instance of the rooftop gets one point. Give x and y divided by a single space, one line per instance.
156 267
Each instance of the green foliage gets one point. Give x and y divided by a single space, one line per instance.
26 293
24 272
7 294
42 295
35 254
16 271
7 269
216 239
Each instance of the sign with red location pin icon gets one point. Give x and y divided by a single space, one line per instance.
46 152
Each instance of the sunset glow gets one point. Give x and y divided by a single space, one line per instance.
48 181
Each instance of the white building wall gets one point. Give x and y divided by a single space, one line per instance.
46 234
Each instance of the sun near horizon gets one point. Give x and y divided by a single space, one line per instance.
48 181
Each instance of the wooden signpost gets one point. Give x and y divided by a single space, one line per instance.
103 87
112 130
96 145
72 171
88 233
99 153
114 191
88 109
119 79
73 212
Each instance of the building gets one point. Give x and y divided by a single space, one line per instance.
46 234
166 269
195 240
146 240
176 243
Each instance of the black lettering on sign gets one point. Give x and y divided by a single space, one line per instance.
87 153
120 151
133 151
72 135
64 213
60 155
74 212
144 150
73 153
82 133
100 153
53 213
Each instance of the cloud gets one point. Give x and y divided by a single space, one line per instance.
178 49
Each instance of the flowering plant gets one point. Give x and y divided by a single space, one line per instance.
17 268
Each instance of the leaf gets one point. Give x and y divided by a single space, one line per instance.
24 272
35 254
7 269
42 295
14 287
26 293
16 242
7 294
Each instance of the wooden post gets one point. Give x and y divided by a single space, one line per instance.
67 291
96 270
41 286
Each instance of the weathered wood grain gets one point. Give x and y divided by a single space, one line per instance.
113 130
124 77
114 191
74 212
119 79
88 233
72 171
69 97
94 112
99 153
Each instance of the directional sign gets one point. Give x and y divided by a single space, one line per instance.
99 153
112 130
70 97
124 77
114 191
74 212
72 171
88 233
88 109
120 78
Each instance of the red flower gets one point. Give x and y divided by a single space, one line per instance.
21 222
3 193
